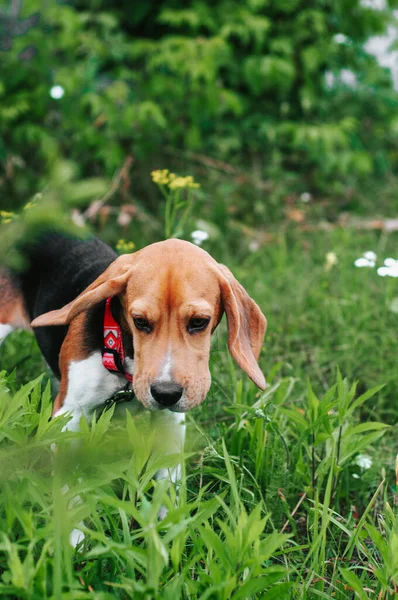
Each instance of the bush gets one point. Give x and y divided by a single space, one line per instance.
244 82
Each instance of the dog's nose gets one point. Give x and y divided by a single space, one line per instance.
166 394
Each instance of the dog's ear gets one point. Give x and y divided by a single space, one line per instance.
246 325
112 282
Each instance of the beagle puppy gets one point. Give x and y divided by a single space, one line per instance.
166 300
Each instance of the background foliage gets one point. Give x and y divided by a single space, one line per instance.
247 83
287 124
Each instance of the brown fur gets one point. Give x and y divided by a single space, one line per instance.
12 311
72 350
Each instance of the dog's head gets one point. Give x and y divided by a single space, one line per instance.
173 296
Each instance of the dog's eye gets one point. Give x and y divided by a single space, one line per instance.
197 324
142 324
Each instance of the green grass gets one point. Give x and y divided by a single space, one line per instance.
273 504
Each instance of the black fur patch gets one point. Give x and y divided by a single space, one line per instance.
59 267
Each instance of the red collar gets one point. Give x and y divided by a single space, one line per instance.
113 351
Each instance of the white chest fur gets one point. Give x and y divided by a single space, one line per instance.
89 386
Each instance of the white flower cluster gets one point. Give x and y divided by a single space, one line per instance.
364 461
345 76
390 268
368 259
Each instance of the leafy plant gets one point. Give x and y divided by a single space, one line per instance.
177 207
222 537
257 84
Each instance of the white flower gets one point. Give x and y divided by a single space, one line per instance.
56 92
393 272
340 38
364 461
375 4
329 79
305 197
199 236
355 475
364 262
254 246
124 218
345 76
368 259
348 77
390 268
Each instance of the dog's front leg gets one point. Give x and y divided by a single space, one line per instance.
85 386
169 438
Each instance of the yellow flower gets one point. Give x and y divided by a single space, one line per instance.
125 247
29 205
330 261
161 177
6 216
173 181
183 182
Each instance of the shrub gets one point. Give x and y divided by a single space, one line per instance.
241 81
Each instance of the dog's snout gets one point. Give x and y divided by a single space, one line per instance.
166 394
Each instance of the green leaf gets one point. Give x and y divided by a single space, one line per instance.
355 583
366 396
216 547
362 427
260 584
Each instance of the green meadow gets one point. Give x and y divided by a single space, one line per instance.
286 118
287 493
